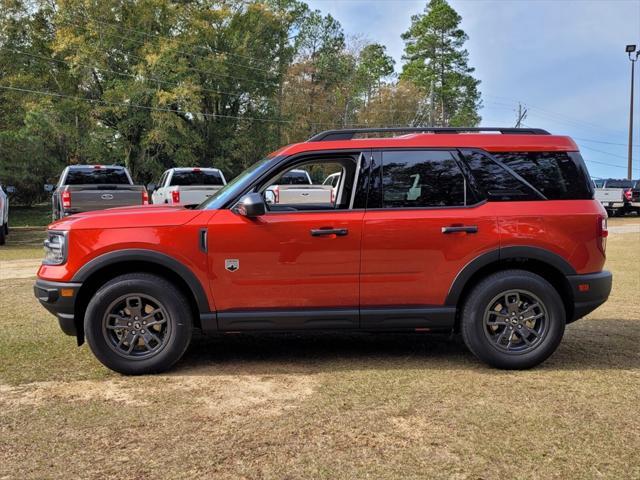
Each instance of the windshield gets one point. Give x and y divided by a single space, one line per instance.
235 186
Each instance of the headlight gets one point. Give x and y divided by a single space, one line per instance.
55 248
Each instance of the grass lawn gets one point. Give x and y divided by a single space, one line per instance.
35 216
326 406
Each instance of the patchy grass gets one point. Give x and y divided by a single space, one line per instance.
23 243
326 406
34 216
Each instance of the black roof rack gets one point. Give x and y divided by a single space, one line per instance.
348 134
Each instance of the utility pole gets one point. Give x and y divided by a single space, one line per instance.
522 114
630 49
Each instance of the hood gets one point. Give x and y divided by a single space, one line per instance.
128 217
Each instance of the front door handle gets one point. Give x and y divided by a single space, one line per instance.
460 229
318 232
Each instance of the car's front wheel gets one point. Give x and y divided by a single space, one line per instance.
138 323
513 319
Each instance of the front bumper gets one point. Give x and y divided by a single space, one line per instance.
589 292
59 298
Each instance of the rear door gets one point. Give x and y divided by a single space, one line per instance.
423 224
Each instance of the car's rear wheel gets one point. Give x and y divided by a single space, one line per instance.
513 319
138 323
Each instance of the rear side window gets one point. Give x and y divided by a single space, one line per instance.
557 175
619 184
97 176
496 181
422 179
183 178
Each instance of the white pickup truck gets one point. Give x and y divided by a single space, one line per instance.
615 195
187 186
296 188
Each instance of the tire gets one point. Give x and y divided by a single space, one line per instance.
493 329
2 235
6 228
111 321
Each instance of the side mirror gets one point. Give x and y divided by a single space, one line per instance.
269 197
251 205
48 187
151 187
11 189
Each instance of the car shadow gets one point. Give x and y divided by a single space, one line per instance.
591 344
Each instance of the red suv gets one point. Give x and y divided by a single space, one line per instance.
493 233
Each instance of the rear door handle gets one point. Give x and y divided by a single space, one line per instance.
460 228
318 232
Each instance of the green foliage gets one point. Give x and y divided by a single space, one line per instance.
152 84
438 62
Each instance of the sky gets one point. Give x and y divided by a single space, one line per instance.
564 60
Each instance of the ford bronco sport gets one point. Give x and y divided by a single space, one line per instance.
493 233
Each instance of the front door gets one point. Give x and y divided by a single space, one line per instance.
297 266
422 226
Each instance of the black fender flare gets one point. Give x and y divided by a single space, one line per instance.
493 256
148 256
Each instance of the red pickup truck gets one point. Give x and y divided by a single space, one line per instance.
493 233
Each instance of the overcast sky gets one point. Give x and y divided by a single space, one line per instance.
563 59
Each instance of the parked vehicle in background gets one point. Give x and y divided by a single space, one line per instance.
83 188
188 186
635 196
297 188
614 195
499 239
4 212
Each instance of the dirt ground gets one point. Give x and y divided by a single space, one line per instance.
322 406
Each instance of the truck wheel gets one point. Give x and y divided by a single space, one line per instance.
138 323
513 319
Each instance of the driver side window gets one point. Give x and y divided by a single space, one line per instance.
319 184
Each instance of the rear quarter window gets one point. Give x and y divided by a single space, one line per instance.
557 175
97 176
495 181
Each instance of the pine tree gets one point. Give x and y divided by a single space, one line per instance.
437 62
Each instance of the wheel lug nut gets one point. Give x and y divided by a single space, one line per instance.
141 331
135 318
129 324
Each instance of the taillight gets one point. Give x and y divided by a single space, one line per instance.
175 196
627 195
603 233
276 194
66 199
145 197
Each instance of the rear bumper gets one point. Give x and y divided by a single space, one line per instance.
589 292
59 298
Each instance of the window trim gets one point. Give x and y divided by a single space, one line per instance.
453 151
303 157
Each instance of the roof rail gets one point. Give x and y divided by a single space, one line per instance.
348 134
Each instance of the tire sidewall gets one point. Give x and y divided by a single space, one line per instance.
473 319
174 304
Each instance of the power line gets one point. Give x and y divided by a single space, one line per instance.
558 116
144 107
603 142
176 84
